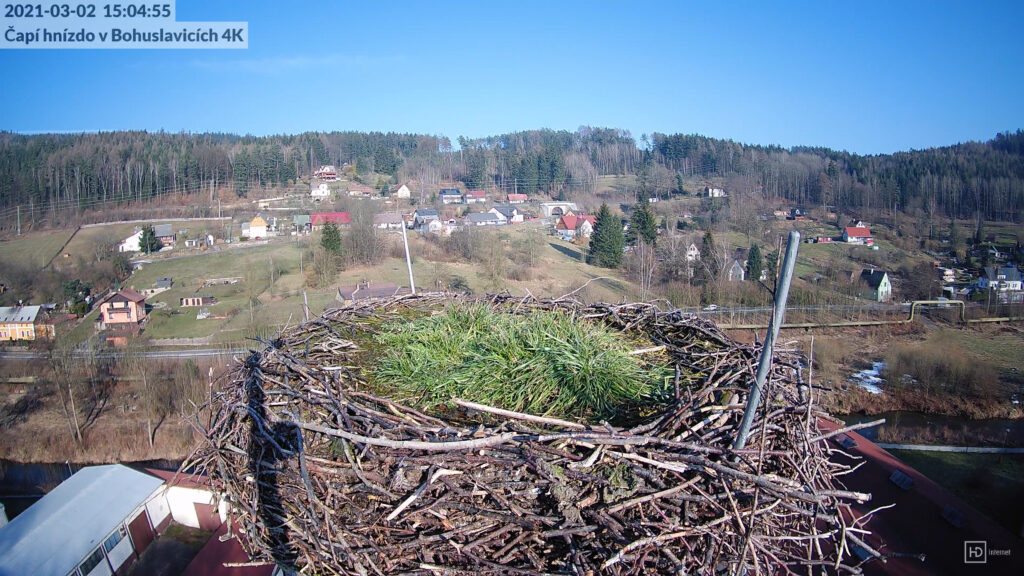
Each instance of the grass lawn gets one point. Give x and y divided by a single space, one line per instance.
34 249
992 483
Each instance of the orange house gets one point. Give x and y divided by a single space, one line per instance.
124 310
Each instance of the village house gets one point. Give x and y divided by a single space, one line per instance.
876 285
320 192
517 198
366 289
571 226
692 253
796 214
401 191
161 285
302 223
257 229
329 173
337 218
165 233
450 196
712 192
388 221
484 219
476 197
357 190
735 273
24 323
858 235
132 243
123 310
508 213
1005 282
423 216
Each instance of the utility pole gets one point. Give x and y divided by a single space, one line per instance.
19 220
408 259
765 363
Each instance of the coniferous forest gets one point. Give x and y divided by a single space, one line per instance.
968 180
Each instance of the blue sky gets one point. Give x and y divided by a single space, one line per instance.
869 77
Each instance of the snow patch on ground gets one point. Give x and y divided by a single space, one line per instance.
870 379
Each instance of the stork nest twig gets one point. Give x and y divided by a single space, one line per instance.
324 476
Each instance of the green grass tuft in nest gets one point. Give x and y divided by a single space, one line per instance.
545 363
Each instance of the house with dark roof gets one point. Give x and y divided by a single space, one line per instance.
123 310
165 232
1004 282
876 284
510 214
484 219
450 196
424 216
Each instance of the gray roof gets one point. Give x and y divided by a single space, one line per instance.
450 192
163 283
1010 272
427 213
507 210
387 218
873 278
301 220
18 314
66 525
482 218
162 230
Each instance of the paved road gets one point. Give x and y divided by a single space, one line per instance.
155 354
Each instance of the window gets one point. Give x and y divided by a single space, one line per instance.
91 562
114 539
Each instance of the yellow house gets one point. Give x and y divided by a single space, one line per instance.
23 323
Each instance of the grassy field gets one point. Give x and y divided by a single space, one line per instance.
992 483
558 270
35 249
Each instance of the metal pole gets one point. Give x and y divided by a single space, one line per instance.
408 259
765 363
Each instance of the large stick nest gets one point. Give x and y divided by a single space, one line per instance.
327 478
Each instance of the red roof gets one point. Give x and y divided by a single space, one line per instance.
477 194
211 559
518 198
325 217
858 232
572 221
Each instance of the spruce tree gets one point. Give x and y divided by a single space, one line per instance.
149 242
642 224
331 238
606 241
755 263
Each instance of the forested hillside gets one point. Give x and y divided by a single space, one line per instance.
974 179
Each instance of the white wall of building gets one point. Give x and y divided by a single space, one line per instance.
182 502
121 553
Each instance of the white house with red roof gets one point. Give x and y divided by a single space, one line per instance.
518 198
575 225
858 235
476 197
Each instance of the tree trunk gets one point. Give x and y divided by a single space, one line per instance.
74 415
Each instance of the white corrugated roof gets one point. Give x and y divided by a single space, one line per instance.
63 527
